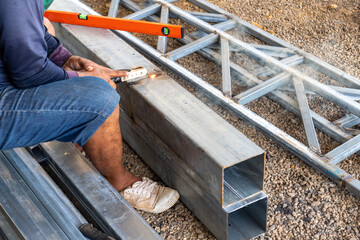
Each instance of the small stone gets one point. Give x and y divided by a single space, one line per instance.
292 194
201 236
233 118
333 6
316 203
178 207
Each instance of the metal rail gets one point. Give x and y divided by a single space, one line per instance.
279 72
101 201
22 214
50 196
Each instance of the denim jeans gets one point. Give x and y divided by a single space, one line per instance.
69 111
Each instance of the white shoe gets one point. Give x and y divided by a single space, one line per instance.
149 196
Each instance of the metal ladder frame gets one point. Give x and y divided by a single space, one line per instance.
279 58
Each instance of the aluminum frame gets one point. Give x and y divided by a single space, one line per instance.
288 75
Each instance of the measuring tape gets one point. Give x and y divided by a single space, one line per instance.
129 25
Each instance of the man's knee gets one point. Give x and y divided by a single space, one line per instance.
98 94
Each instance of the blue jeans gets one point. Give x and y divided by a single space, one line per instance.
69 111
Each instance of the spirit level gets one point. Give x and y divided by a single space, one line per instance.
129 25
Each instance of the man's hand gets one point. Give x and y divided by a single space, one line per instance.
76 63
85 67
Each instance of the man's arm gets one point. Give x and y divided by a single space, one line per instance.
23 46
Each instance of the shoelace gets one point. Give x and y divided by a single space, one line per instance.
144 187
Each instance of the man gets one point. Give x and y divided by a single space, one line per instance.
47 94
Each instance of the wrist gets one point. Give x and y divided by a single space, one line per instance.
60 56
72 74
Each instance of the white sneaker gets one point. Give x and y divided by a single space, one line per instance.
149 196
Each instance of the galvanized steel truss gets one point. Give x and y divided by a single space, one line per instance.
276 75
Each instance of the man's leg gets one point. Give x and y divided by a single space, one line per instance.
104 149
82 110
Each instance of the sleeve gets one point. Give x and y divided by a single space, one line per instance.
52 42
57 53
23 44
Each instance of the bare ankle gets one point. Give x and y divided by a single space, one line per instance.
124 180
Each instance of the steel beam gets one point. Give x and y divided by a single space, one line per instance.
192 47
289 61
241 220
278 52
50 196
102 202
188 128
143 13
224 26
225 65
162 40
134 7
274 51
345 150
114 6
209 17
262 89
347 121
8 229
28 215
349 92
306 115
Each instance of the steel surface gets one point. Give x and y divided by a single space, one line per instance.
50 196
30 218
306 115
225 67
114 6
244 219
102 202
8 229
162 41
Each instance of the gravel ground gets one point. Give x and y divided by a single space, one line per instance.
303 204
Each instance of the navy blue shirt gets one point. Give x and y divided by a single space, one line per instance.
25 46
